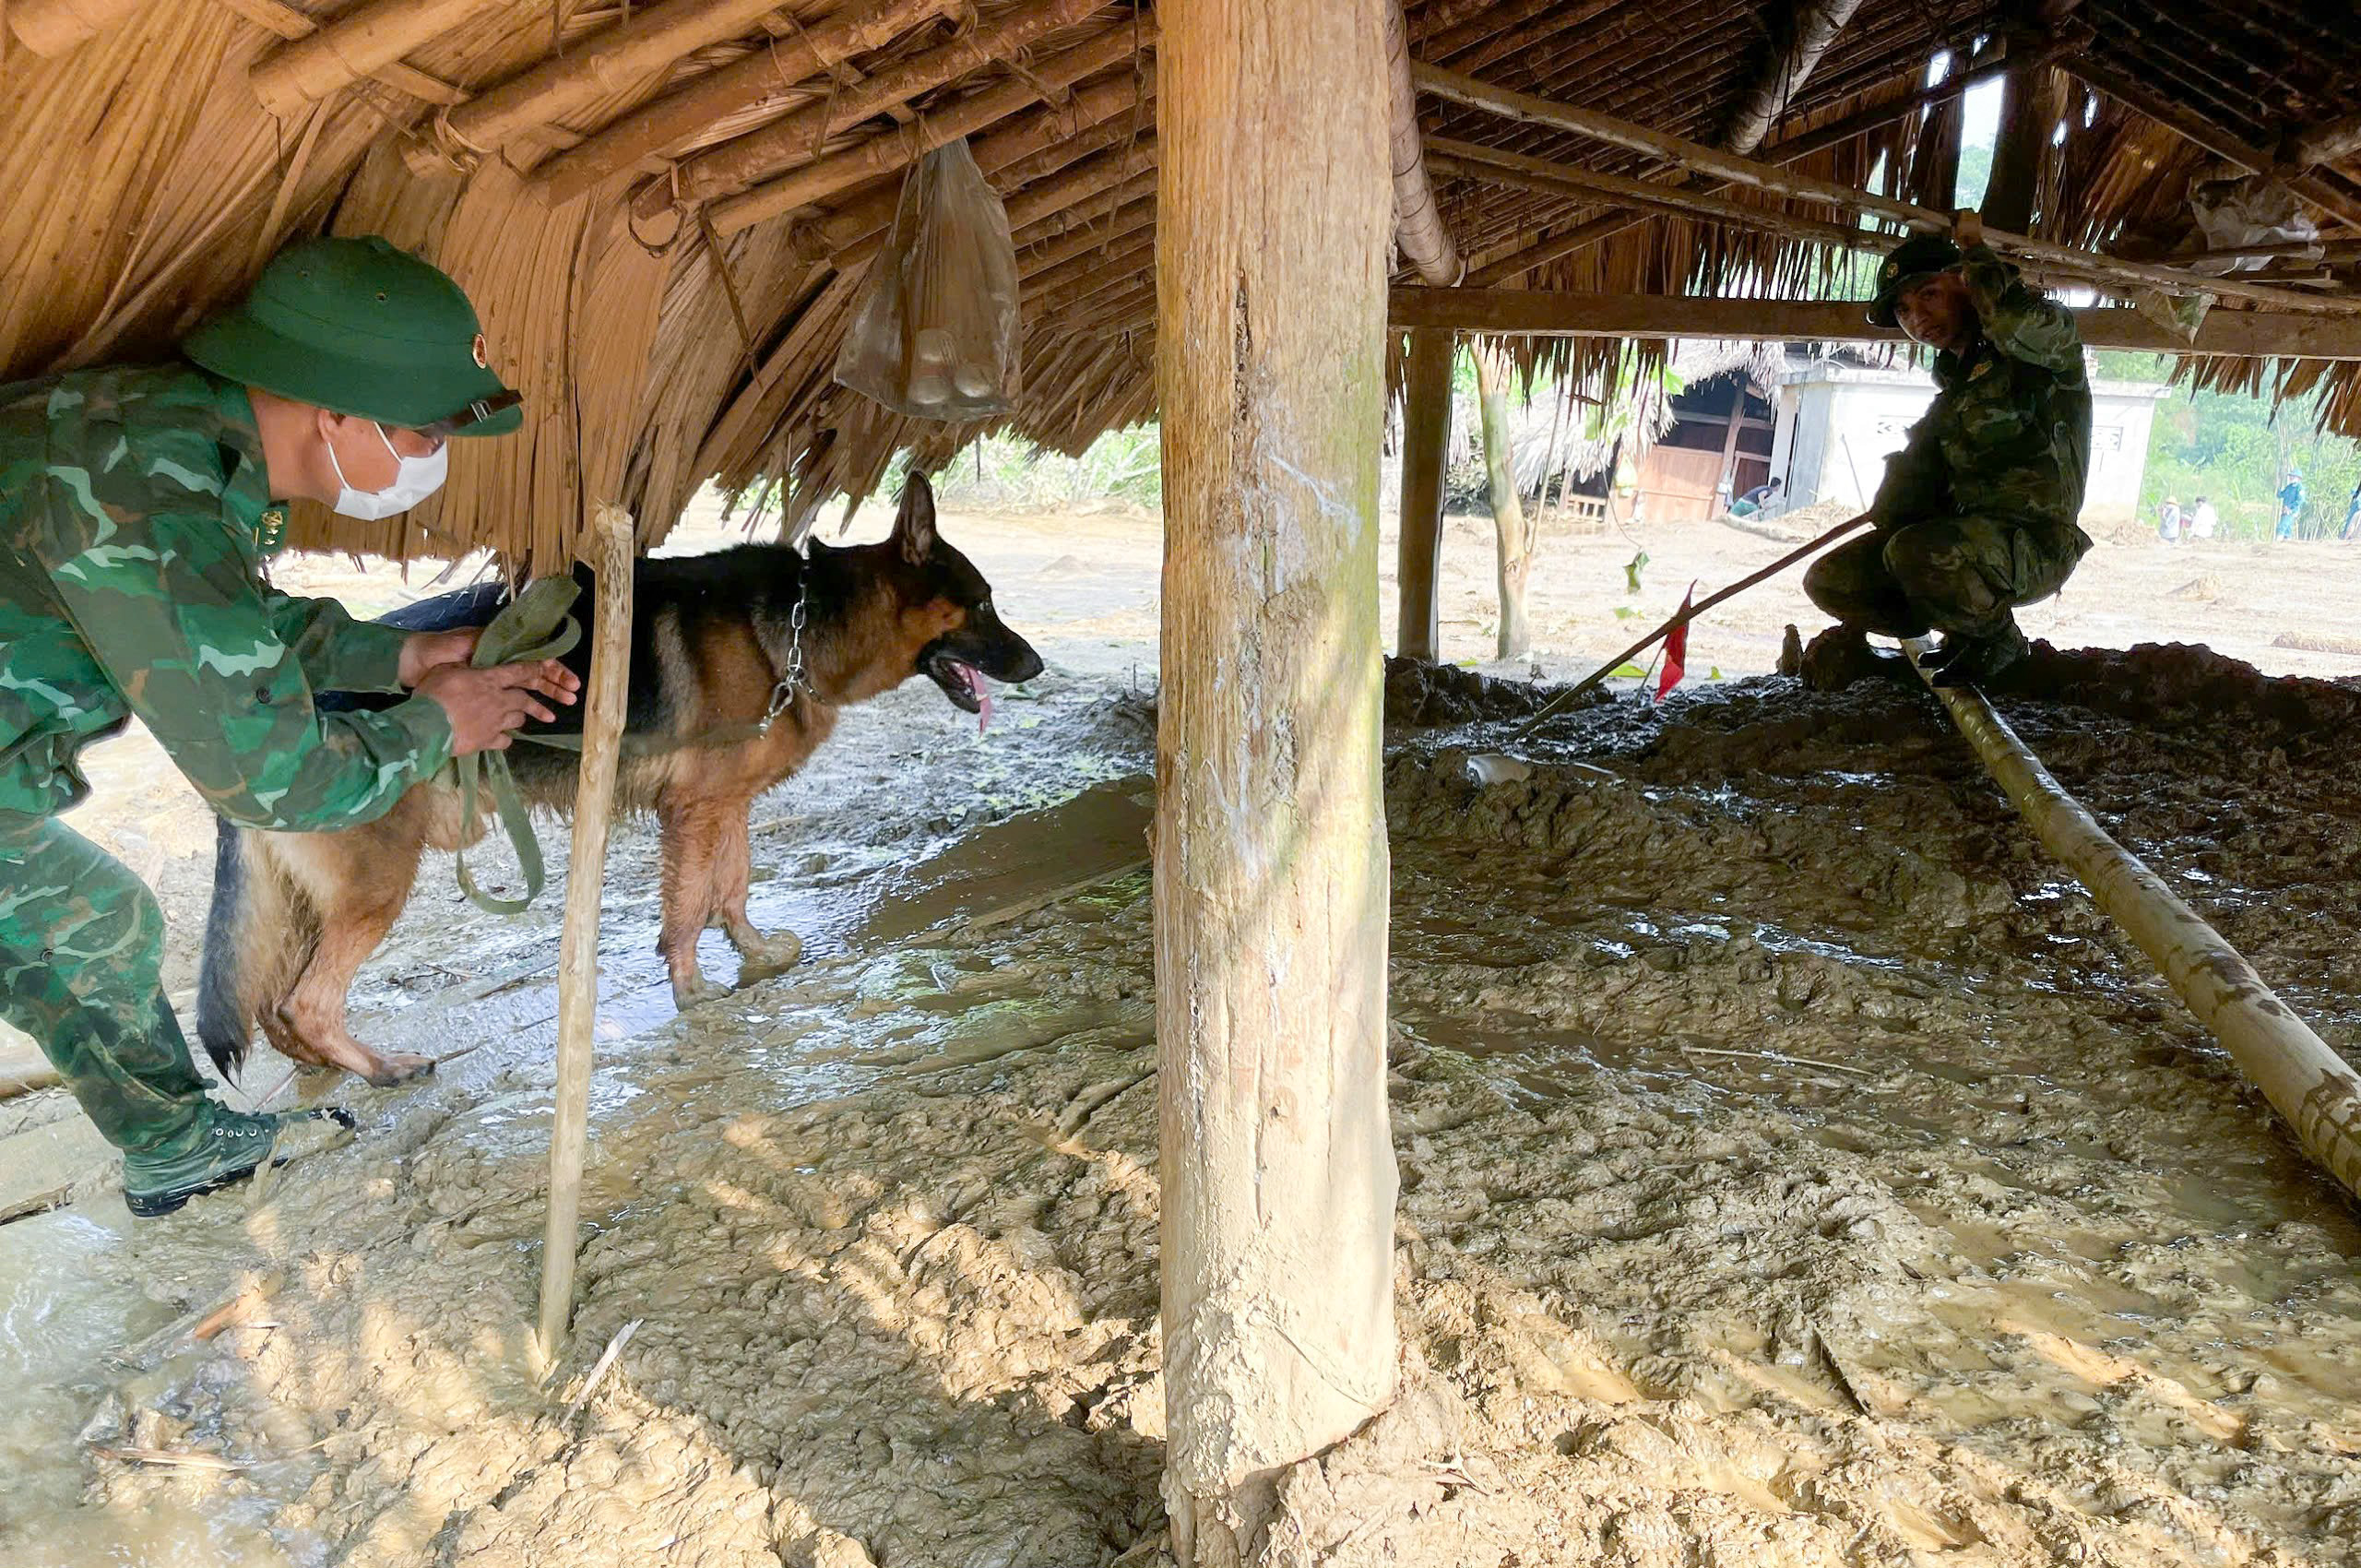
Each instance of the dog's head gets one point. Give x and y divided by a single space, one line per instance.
949 630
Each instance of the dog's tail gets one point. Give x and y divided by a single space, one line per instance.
256 936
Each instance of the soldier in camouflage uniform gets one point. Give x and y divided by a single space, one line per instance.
1977 513
135 508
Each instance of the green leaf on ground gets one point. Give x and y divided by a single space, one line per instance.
1631 569
1631 671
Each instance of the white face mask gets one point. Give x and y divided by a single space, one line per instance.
415 479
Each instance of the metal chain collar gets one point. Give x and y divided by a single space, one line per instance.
793 676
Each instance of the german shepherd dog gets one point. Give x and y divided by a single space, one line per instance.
295 915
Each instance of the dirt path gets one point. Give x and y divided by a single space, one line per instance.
1797 1171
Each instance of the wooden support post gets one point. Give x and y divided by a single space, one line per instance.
1728 482
1512 312
54 27
1270 869
2313 1088
1511 537
1425 446
361 40
612 543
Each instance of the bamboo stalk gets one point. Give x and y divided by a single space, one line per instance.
1680 618
1782 76
794 140
51 28
372 34
1701 158
1418 228
608 62
737 85
2314 1088
612 543
894 150
278 17
1125 267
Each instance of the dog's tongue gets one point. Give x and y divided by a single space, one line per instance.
983 700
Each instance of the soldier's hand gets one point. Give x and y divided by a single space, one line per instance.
487 705
422 651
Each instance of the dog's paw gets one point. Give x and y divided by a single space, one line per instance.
695 991
765 957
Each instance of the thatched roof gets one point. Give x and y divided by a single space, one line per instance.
151 167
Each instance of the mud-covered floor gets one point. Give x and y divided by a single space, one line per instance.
1795 1170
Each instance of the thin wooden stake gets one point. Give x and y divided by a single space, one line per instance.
577 974
1682 617
2311 1086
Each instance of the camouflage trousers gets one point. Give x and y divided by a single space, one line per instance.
1962 576
81 953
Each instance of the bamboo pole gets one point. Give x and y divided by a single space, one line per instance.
2332 142
608 62
361 40
612 541
1681 617
893 151
1535 313
1270 889
1418 227
284 20
742 84
1426 442
1813 30
1699 159
797 140
51 28
1054 295
2314 1088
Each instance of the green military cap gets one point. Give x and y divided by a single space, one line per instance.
1919 256
362 326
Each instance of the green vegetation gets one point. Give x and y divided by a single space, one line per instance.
1007 471
2235 451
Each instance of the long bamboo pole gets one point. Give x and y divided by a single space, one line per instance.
1698 158
2310 1085
676 116
54 27
613 542
627 53
1812 31
895 149
374 34
1419 230
1681 618
796 140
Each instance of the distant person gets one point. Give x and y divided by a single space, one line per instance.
2168 525
1759 498
2291 503
2201 520
2352 513
1977 513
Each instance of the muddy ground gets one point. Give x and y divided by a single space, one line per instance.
1796 1169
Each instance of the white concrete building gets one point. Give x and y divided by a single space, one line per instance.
1837 422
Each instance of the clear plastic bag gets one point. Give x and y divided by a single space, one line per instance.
935 336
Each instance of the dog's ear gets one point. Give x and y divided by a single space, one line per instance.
817 547
914 524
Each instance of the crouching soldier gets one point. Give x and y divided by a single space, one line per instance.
137 506
1977 513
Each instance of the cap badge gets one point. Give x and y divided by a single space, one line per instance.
484 358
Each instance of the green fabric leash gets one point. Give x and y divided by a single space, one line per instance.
534 626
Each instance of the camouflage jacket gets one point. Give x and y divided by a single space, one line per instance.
2009 433
133 520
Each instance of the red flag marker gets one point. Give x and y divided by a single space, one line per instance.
1675 648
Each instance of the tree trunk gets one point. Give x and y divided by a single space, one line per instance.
1426 442
1271 870
1510 530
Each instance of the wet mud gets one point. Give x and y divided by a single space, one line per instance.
1796 1169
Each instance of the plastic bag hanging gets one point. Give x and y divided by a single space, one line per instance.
935 336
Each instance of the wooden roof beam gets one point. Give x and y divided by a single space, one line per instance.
796 140
2332 142
1816 25
359 42
742 84
1699 159
53 28
894 150
2191 126
1418 227
1535 312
